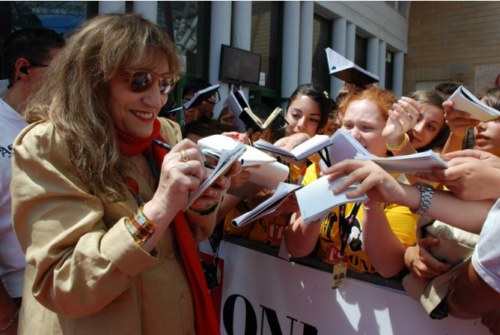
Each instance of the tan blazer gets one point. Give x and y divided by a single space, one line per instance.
84 273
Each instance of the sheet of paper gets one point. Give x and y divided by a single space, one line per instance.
317 199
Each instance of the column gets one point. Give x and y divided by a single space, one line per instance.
291 36
372 55
220 33
306 42
350 44
242 28
106 7
381 63
339 41
148 9
398 71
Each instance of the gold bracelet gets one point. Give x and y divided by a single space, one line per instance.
140 227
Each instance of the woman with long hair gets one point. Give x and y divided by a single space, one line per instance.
99 208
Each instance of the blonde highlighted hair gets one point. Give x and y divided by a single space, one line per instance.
75 96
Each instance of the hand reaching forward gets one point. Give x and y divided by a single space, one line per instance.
471 174
458 121
181 173
421 263
402 118
374 181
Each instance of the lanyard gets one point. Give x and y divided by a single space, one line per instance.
345 225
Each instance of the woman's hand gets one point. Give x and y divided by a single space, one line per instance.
402 118
240 179
378 185
182 171
289 206
290 142
242 137
458 121
421 263
214 194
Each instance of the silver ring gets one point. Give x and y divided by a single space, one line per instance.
184 156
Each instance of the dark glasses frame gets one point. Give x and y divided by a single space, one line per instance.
141 81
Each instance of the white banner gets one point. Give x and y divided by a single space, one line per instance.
262 294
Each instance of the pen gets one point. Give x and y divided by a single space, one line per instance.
169 147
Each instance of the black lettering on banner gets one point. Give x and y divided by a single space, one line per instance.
272 321
268 316
228 315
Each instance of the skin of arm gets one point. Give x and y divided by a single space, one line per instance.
301 238
402 118
467 288
7 311
492 321
377 231
421 263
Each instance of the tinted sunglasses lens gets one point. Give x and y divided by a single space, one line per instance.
141 81
166 85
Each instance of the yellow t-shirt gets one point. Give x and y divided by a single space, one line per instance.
401 219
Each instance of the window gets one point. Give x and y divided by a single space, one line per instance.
389 70
61 16
321 40
187 23
264 40
360 53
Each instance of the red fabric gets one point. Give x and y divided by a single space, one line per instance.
206 322
130 146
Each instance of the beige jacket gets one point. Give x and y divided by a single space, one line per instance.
84 272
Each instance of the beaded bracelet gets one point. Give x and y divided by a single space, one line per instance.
140 227
401 145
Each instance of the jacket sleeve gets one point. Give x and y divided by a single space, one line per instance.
76 263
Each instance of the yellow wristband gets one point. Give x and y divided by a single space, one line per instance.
401 145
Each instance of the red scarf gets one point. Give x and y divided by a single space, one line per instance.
205 319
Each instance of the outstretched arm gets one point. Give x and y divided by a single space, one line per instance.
470 296
382 187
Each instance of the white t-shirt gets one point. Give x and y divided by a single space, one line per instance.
11 256
486 256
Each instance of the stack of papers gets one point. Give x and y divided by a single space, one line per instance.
226 159
268 206
265 171
464 100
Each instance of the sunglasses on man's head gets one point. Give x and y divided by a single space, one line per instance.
142 81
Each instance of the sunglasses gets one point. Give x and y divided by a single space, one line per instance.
142 81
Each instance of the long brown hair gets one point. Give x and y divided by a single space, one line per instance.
75 95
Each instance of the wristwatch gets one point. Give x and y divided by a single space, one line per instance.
426 194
